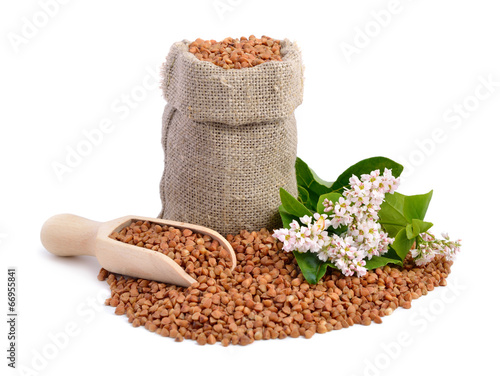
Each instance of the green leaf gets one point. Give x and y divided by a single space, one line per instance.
400 211
303 194
391 230
365 167
379 261
305 199
397 200
391 214
308 179
311 266
286 217
412 230
313 200
423 226
391 253
402 217
292 206
416 227
332 196
322 269
402 244
416 206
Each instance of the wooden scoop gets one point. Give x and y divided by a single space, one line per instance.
70 235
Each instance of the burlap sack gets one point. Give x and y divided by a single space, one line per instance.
230 140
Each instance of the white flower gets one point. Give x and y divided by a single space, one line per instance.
294 226
427 237
328 205
287 237
323 254
321 223
281 234
354 181
341 207
422 255
304 233
372 177
306 220
323 239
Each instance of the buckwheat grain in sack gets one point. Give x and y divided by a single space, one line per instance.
230 139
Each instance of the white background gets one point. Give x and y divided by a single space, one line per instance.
391 93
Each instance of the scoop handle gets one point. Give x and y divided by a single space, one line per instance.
69 235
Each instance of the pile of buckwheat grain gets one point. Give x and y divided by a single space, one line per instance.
265 297
237 53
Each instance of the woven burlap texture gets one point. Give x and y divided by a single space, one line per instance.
230 140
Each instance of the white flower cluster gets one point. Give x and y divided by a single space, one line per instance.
358 211
430 247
